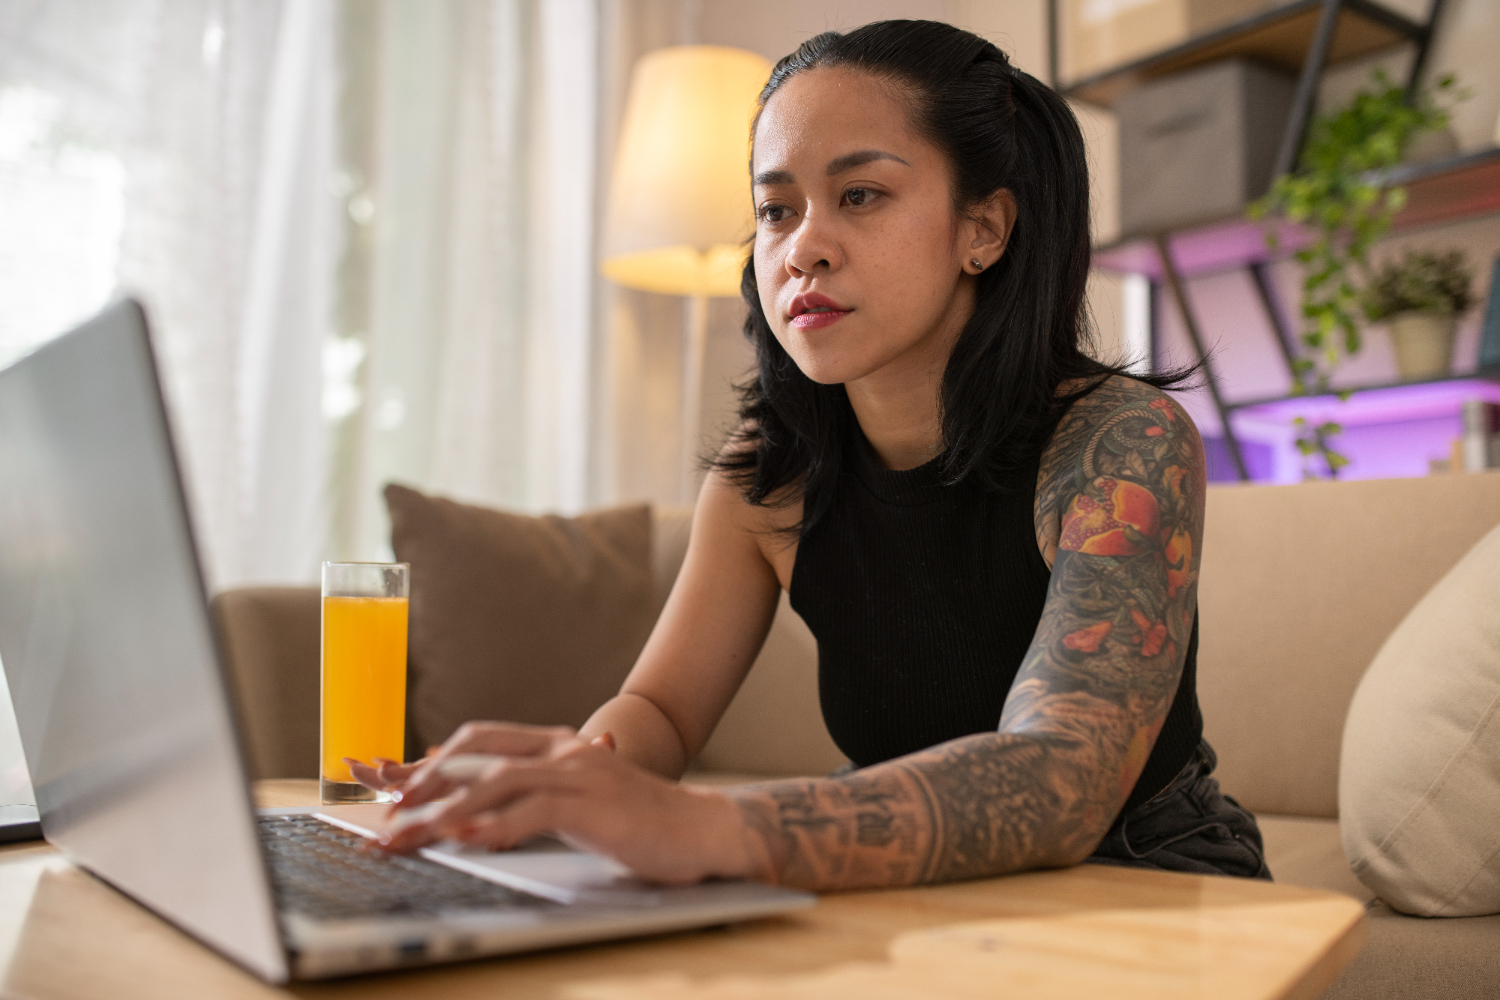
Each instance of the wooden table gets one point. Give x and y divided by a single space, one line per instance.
1086 932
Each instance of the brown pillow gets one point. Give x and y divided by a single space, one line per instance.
525 619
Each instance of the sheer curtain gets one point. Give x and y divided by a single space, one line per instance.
479 354
364 230
210 124
473 202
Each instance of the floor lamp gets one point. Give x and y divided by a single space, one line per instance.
679 206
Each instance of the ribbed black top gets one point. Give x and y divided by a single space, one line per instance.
924 599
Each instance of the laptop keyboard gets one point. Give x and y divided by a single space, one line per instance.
319 871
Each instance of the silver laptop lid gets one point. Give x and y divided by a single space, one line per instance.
105 636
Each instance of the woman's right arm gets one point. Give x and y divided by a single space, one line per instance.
706 639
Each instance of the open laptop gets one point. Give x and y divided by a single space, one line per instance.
129 726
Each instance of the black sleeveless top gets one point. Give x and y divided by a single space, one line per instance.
924 599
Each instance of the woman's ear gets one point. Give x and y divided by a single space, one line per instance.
988 228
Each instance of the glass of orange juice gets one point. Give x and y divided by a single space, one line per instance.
364 672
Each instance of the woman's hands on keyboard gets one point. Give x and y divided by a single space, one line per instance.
507 782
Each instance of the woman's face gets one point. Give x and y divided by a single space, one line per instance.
859 254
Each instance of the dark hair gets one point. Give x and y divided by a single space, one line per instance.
999 128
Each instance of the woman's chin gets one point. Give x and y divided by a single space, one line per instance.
832 373
831 367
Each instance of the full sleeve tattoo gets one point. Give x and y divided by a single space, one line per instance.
1119 514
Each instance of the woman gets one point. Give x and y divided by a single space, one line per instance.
977 521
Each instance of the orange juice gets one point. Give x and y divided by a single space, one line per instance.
364 681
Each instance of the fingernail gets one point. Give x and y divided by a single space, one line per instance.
397 796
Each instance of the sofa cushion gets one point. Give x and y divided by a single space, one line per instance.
774 726
1419 787
1300 585
1306 851
528 619
1409 958
270 639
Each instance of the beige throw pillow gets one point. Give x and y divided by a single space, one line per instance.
525 619
1419 776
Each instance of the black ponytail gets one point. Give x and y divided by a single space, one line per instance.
1000 128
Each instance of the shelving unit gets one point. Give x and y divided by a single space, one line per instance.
1305 37
1279 36
1463 187
1400 399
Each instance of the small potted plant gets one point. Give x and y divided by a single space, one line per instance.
1338 193
1421 298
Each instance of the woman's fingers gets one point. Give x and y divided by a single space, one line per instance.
513 739
382 774
466 768
378 775
505 780
503 829
496 739
493 783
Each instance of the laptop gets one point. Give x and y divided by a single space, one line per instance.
129 726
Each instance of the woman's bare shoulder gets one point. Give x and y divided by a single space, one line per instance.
726 518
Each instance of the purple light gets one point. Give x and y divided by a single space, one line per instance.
1388 433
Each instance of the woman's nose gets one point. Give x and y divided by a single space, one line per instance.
813 248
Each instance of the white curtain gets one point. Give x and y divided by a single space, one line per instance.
364 230
219 118
477 186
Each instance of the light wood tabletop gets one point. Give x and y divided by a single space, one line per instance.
1086 931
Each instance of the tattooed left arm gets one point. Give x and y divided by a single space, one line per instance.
1119 513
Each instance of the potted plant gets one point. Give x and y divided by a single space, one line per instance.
1422 297
1339 195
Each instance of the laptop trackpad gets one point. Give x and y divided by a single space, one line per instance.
542 866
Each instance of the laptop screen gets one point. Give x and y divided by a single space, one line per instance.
108 651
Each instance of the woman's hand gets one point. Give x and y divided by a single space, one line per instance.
383 774
386 775
506 783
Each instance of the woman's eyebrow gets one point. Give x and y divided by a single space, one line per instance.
775 177
837 165
849 161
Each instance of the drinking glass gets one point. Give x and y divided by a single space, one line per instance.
364 672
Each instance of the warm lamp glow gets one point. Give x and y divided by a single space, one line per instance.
679 205
680 270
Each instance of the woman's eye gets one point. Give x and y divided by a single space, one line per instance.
856 197
772 213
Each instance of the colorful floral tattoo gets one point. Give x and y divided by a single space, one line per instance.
1119 516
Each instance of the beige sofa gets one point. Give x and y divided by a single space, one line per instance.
1300 586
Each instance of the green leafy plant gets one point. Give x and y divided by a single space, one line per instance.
1337 192
1423 282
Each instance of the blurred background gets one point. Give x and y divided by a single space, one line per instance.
369 235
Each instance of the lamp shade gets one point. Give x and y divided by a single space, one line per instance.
679 202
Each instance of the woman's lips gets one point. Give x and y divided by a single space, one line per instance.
816 320
814 310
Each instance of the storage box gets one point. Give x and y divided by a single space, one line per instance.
1100 35
1199 145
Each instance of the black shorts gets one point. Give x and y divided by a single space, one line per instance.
1189 826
